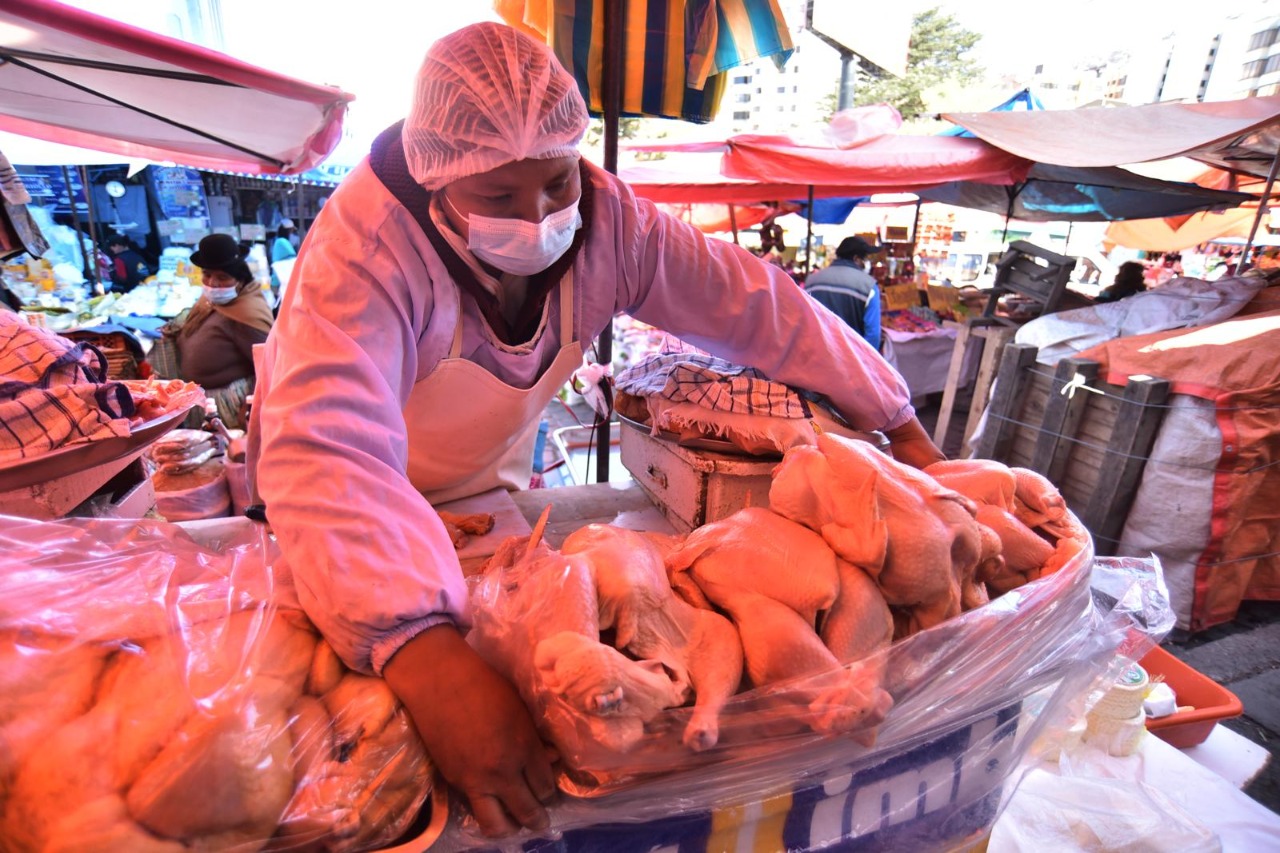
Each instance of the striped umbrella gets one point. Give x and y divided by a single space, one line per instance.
675 52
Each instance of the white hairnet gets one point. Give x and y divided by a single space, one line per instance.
488 95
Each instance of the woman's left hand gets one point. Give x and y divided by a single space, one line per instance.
911 445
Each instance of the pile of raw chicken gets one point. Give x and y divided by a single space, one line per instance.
641 653
242 731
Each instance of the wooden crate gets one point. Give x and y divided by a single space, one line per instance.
692 486
1091 439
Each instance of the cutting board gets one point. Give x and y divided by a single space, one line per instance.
507 521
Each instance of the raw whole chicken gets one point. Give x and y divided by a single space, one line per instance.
773 576
699 646
238 731
918 540
1013 502
758 550
537 621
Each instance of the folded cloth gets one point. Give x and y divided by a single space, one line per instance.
52 392
711 383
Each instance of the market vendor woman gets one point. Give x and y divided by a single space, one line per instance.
445 293
214 341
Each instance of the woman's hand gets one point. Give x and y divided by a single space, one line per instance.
911 445
476 729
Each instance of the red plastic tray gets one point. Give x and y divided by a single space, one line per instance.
1210 701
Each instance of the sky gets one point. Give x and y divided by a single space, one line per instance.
1018 36
372 48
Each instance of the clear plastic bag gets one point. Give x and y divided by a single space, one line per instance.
969 696
160 690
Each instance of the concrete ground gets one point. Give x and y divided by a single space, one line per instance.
1243 655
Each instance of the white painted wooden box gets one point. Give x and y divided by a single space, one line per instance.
694 486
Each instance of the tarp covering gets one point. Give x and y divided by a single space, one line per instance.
76 78
888 163
716 218
1240 135
1232 366
1023 100
1073 194
666 181
1178 233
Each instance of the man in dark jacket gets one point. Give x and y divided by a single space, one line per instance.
848 290
128 269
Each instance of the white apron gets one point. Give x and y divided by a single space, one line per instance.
469 431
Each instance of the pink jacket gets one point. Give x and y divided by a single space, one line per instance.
371 311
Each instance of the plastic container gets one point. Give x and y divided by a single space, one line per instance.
1209 700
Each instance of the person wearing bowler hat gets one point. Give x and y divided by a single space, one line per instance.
848 290
214 340
448 289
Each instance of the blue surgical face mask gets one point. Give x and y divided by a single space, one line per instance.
219 295
518 247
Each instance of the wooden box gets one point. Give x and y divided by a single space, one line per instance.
694 486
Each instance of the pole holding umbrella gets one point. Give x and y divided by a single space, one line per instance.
1262 208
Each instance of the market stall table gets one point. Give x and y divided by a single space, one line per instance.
923 358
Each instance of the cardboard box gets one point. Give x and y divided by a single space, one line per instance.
694 486
899 297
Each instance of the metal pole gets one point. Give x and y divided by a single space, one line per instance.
611 72
93 229
1262 208
75 223
733 224
845 99
808 242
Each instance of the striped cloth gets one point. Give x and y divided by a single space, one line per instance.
52 392
676 51
712 383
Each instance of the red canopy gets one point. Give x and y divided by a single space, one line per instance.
76 78
676 182
886 164
782 167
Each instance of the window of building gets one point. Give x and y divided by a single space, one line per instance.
782 90
1273 64
1266 38
742 78
742 99
741 115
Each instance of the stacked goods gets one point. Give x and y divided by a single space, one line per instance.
1117 721
190 475
642 654
122 354
149 702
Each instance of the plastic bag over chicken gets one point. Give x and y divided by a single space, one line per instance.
756 659
161 691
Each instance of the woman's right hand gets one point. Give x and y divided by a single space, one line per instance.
476 729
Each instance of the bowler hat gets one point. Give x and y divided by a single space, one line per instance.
855 247
217 252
